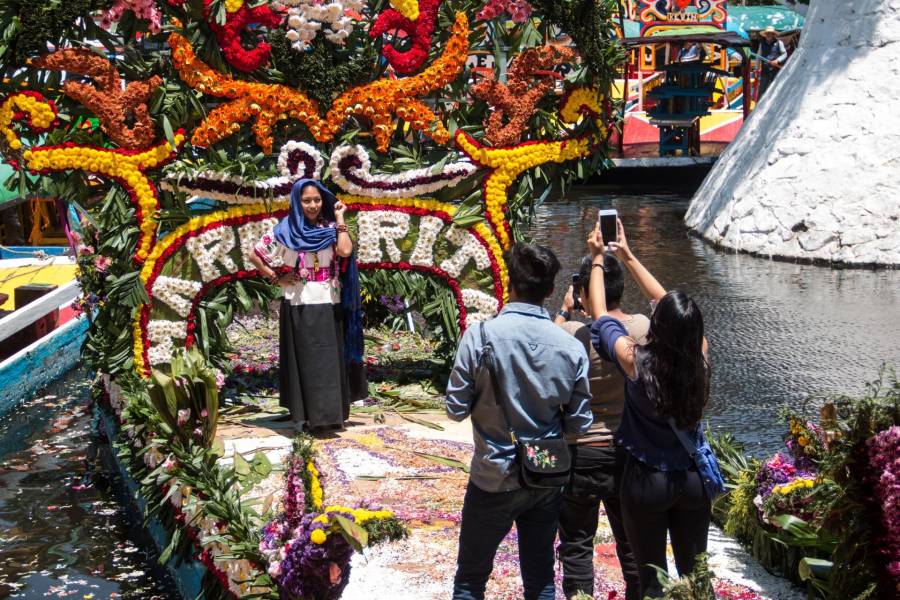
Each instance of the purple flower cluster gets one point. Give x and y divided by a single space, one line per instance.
302 568
884 461
393 303
778 470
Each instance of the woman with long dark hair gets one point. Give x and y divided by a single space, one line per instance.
666 390
309 255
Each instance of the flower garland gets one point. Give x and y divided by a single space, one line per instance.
229 34
516 101
884 467
126 167
306 558
142 9
145 353
268 104
434 214
38 112
297 160
307 17
112 102
579 102
235 575
507 164
418 30
519 10
351 170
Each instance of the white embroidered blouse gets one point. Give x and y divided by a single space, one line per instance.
321 285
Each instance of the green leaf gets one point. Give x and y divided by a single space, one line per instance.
241 466
814 568
355 535
261 465
167 129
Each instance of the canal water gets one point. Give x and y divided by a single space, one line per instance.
62 532
781 334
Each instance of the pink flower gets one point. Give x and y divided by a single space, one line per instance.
204 413
169 464
275 569
102 263
184 415
83 250
220 378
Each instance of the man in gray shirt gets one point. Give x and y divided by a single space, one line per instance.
543 378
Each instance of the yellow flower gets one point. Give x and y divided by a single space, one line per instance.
318 536
802 440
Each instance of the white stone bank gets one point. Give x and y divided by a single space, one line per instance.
814 174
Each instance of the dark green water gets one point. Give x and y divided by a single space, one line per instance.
781 334
62 532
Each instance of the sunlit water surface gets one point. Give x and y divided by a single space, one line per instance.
780 333
63 534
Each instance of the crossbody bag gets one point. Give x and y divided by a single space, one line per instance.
542 464
705 460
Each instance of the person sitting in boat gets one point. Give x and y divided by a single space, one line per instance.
309 254
772 54
692 52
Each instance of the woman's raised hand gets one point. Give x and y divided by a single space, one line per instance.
595 242
339 209
620 246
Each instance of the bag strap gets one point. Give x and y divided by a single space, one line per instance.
688 444
487 358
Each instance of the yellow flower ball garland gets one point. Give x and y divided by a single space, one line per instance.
124 166
407 8
509 163
41 112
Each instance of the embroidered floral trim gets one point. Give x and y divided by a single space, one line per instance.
541 458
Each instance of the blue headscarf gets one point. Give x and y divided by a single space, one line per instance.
295 233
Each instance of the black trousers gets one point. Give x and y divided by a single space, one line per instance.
595 476
766 78
655 503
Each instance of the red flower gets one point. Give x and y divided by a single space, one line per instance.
229 35
418 31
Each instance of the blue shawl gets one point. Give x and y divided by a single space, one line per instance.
295 233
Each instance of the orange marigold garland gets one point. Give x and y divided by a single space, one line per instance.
516 101
108 100
267 104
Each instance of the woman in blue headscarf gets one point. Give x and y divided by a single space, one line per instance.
309 254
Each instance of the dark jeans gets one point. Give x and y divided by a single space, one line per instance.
654 503
766 78
486 519
595 476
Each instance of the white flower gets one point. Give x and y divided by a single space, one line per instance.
469 248
408 184
480 306
378 225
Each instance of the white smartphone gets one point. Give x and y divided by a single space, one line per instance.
608 228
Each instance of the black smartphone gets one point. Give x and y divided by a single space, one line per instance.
608 228
576 292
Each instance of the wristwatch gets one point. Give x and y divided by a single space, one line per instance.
564 314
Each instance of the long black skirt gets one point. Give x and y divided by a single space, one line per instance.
313 373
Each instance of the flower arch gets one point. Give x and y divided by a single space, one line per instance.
398 234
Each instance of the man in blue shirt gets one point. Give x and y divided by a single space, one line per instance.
543 378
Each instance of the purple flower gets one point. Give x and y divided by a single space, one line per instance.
884 462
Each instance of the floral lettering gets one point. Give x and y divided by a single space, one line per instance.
377 225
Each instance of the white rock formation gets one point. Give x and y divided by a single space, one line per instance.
814 174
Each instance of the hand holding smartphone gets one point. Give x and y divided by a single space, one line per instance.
608 229
576 292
